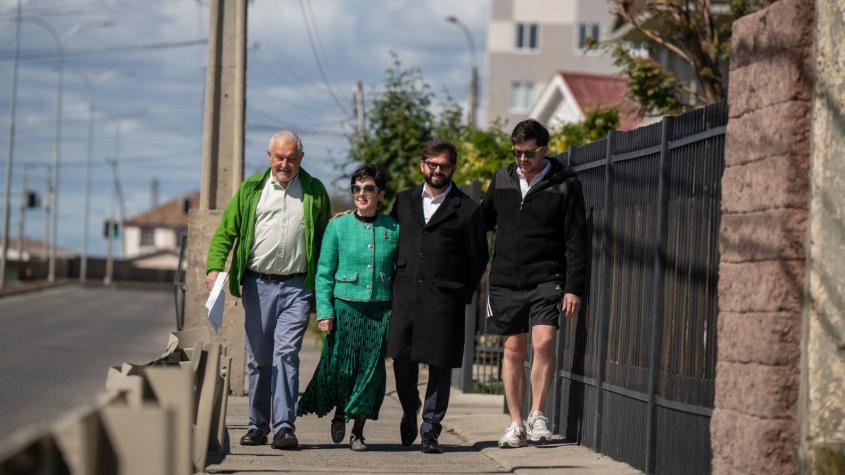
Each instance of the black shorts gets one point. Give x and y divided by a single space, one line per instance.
512 311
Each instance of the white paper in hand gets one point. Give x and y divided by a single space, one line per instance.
215 301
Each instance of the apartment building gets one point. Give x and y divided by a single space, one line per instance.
530 41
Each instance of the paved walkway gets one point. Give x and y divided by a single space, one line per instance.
472 427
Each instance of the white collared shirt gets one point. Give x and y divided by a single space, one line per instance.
431 202
278 245
524 185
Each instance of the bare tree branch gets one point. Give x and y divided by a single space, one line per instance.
712 31
655 37
692 92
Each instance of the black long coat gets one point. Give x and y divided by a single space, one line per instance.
438 269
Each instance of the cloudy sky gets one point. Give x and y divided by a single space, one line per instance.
149 99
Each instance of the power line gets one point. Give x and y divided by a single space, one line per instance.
317 36
320 67
80 8
279 73
260 126
35 55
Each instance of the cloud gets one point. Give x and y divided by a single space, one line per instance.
161 105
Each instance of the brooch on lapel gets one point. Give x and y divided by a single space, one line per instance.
386 236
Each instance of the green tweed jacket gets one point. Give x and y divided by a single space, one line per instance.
357 262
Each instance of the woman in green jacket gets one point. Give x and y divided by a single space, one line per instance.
354 292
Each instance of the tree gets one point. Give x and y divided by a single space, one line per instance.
594 127
696 31
399 124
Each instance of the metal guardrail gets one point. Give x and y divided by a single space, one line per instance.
179 284
163 417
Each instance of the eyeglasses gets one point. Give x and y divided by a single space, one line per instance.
526 153
366 189
445 167
289 160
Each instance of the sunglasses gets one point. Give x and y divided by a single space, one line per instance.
526 153
366 189
445 167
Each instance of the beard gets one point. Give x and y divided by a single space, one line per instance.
445 181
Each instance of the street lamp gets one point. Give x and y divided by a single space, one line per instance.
7 193
92 91
117 194
54 182
472 106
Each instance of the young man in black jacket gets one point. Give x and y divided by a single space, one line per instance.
539 266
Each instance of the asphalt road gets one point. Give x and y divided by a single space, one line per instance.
56 346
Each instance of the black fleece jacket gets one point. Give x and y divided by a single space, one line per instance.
541 238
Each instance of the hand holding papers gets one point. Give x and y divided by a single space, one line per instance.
214 304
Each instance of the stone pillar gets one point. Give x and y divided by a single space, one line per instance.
823 338
222 170
765 200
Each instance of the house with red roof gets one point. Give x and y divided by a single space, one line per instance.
568 97
152 239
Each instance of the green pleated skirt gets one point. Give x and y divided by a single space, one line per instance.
351 373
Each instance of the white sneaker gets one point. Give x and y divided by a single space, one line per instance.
514 437
537 427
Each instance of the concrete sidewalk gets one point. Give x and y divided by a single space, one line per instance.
472 427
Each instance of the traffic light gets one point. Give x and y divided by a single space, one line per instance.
115 227
33 200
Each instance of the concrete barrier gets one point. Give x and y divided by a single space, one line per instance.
163 417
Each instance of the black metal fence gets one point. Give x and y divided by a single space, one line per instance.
635 370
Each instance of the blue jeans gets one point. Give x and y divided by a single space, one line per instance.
276 319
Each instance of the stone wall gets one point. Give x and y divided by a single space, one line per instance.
765 209
822 410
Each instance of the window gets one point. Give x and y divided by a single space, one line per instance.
585 31
526 36
638 49
522 96
148 236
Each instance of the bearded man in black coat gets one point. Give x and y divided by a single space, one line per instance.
442 255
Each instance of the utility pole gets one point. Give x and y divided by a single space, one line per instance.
472 106
116 196
92 108
45 245
107 279
154 193
359 106
222 168
7 192
83 262
22 217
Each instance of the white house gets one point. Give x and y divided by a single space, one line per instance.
152 238
569 96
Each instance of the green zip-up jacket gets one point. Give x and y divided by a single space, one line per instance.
237 227
357 262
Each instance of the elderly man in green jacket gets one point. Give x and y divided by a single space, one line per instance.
275 224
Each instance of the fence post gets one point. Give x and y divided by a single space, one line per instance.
656 331
559 344
462 379
603 316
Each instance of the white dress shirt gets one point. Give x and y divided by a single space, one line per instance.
524 185
431 202
278 245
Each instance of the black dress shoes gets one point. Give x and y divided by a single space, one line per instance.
254 437
285 439
338 429
430 445
408 428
